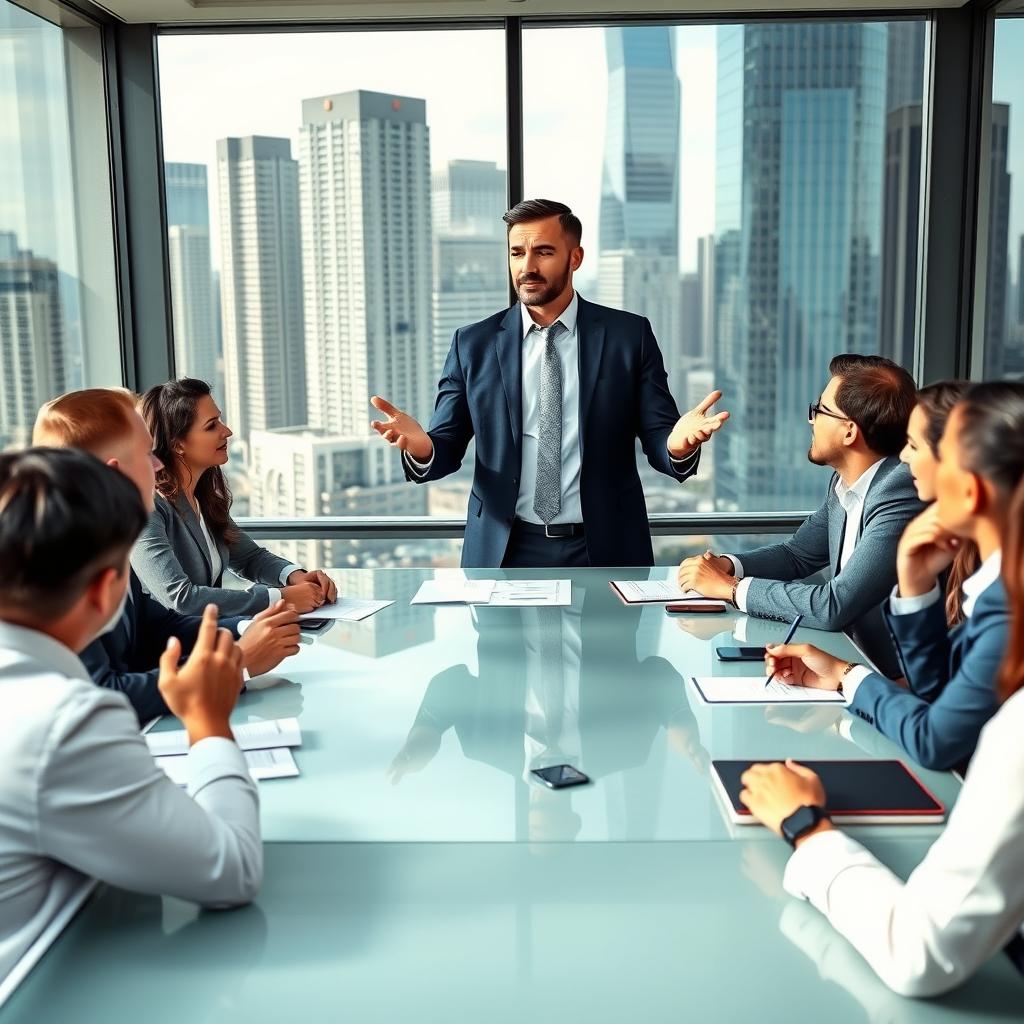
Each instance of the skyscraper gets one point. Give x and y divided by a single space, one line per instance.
33 349
639 219
902 197
999 359
799 189
470 265
193 309
365 169
261 284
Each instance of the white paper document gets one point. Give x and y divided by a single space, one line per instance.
275 763
448 590
527 593
346 609
751 690
277 732
654 592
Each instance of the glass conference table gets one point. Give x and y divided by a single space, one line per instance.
414 873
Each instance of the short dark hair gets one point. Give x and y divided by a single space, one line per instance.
540 209
878 395
65 517
992 433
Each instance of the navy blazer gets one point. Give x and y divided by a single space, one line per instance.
127 658
952 677
624 395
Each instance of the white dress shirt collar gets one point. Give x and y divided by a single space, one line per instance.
857 491
41 647
974 586
567 317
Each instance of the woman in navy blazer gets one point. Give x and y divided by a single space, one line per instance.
191 538
950 673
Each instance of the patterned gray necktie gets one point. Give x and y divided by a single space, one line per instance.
547 498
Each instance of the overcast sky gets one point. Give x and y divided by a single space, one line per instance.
213 86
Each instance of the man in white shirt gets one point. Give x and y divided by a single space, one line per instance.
80 794
858 428
556 391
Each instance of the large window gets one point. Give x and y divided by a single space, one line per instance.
754 190
1003 340
59 325
334 207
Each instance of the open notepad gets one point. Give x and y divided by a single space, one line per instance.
752 690
653 592
265 744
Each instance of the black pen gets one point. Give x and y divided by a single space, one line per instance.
789 636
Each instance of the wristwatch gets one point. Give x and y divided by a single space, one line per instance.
801 821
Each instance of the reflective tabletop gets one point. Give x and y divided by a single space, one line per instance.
420 724
414 873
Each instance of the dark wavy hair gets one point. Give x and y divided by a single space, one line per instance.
936 401
530 210
170 412
1011 672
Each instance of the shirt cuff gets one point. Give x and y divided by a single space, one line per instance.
275 596
686 460
212 759
741 593
854 678
243 626
415 466
908 605
287 571
737 567
817 863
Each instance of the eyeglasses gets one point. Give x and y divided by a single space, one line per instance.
815 409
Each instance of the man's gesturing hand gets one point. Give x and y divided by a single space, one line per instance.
400 430
203 691
693 428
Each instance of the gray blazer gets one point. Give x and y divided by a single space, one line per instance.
173 562
850 600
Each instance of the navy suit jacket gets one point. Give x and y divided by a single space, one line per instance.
952 676
623 396
127 658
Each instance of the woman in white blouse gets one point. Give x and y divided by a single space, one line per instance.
191 538
965 901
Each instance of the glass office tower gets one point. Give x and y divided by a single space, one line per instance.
639 218
800 135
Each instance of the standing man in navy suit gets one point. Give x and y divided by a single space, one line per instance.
555 390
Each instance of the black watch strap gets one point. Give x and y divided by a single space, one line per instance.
801 821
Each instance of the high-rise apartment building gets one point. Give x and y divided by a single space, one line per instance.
1000 356
470 265
798 222
366 246
261 284
638 233
193 309
33 347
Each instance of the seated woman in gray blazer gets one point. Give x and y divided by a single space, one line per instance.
191 538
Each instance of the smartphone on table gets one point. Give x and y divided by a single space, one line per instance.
558 776
740 653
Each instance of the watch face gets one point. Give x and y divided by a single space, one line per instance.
800 821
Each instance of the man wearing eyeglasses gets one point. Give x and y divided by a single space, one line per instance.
858 426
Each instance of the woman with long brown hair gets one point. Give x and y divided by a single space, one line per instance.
191 538
921 454
965 901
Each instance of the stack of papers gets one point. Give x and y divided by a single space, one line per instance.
496 593
452 590
346 609
752 690
653 592
266 746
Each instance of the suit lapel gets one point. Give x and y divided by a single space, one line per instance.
509 345
590 331
191 520
836 528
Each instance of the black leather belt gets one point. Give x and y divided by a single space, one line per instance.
559 530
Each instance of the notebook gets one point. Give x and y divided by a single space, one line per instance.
857 793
